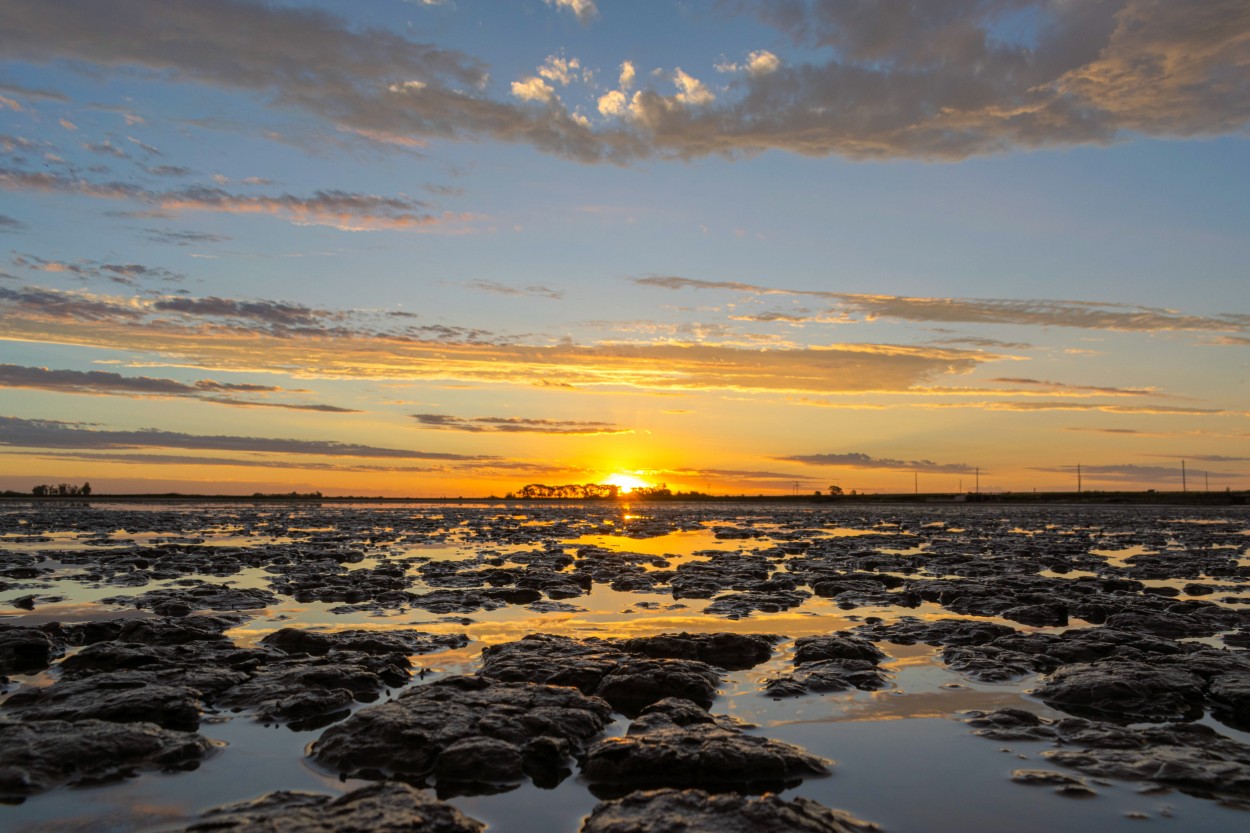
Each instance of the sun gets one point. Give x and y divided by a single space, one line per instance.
626 482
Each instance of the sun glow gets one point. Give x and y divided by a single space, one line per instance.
626 482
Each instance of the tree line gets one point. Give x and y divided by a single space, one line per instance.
583 491
49 489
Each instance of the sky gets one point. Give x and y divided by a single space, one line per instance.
424 248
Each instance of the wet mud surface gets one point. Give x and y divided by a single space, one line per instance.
614 666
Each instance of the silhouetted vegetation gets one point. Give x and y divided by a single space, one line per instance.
570 491
61 489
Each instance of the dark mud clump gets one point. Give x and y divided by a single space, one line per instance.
1190 757
378 808
675 743
173 671
830 663
467 733
38 756
628 681
695 811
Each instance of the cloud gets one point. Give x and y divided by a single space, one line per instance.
242 462
516 425
1231 341
105 148
30 92
627 76
760 62
146 148
976 341
10 224
856 460
612 103
533 89
1037 312
65 306
882 80
127 274
584 10
279 314
502 289
179 237
339 209
273 336
691 90
52 434
1022 407
1204 458
102 383
1060 387
1129 473
168 170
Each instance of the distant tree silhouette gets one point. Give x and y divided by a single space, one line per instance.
568 491
61 489
834 491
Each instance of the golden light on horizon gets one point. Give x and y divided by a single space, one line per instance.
626 482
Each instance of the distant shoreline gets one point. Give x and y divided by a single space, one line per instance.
1143 498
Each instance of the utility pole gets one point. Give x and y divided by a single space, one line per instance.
1206 478
978 480
916 477
1184 480
1078 478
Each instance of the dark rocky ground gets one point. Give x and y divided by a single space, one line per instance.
392 638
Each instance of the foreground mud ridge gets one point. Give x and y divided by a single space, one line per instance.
607 667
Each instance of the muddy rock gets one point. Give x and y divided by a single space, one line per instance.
839 646
1188 756
676 743
824 676
378 808
156 631
403 642
695 811
116 656
26 650
282 687
1124 691
742 605
830 663
38 756
500 729
731 651
909 630
469 601
1229 695
120 697
177 601
596 667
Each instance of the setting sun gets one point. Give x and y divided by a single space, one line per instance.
626 482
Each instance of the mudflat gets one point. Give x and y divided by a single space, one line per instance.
623 666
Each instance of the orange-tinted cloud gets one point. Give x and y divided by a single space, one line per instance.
215 333
16 432
1039 312
516 425
340 209
858 460
105 383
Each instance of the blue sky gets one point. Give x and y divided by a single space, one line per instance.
735 246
